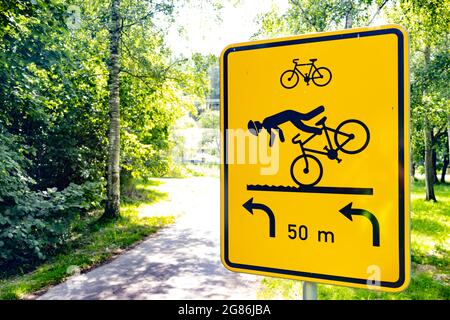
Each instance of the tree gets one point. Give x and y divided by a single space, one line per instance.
445 162
315 16
136 14
112 209
43 89
50 97
448 134
55 89
59 80
427 22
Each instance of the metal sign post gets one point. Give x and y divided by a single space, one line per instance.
309 290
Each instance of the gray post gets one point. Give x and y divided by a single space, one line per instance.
309 290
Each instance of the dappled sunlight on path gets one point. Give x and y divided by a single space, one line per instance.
179 262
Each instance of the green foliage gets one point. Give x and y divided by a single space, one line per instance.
427 23
430 94
51 131
272 24
54 93
35 224
54 114
305 16
210 119
424 286
426 20
39 223
50 98
429 87
141 192
13 176
431 227
156 89
93 243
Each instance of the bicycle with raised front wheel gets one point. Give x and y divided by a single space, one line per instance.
320 76
350 137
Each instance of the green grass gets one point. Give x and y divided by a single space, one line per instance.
203 170
96 243
194 170
430 255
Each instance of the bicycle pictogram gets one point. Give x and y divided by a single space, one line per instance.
320 76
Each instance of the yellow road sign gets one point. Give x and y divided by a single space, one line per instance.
315 151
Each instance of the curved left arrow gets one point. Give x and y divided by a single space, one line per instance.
249 206
348 212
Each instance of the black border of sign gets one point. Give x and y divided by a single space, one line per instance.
401 153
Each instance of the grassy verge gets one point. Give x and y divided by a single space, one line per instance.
95 243
194 170
430 249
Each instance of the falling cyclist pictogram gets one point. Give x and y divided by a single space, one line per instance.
350 137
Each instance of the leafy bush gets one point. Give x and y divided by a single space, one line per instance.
34 224
420 169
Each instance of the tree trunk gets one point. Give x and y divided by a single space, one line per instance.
446 161
448 146
413 171
428 137
434 142
429 175
348 20
112 209
444 168
434 160
349 15
448 133
447 156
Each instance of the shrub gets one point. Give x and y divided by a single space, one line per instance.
35 224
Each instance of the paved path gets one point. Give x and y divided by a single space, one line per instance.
179 262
